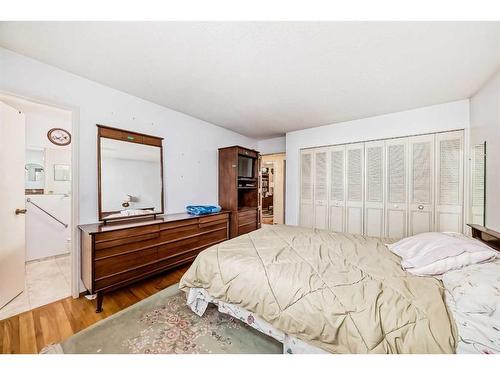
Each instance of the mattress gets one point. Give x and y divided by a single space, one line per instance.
338 292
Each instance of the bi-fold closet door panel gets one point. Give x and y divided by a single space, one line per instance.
354 188
449 182
421 184
321 172
374 189
306 189
477 183
337 188
396 202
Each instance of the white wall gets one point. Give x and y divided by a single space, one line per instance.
39 122
45 237
271 145
443 117
190 145
485 126
54 156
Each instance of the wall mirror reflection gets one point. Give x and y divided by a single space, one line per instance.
62 172
34 172
478 188
130 175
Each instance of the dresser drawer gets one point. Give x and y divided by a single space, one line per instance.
247 217
124 277
110 265
246 228
179 232
173 260
108 239
178 224
208 220
197 242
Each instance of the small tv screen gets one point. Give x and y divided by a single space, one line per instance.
245 166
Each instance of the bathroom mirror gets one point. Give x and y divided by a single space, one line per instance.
478 188
34 172
130 174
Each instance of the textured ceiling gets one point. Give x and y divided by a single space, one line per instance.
263 79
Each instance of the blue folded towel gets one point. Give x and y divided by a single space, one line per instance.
203 209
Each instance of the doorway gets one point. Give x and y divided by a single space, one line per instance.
39 256
273 189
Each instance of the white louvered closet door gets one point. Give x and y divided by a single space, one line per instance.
337 188
421 181
396 207
306 189
477 189
354 187
374 189
449 181
321 188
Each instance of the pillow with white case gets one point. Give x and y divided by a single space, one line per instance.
434 253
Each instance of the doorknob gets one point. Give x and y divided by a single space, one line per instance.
20 211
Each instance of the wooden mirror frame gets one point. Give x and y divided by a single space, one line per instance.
104 131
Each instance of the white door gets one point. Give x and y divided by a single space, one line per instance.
337 188
421 181
374 189
12 242
478 155
449 181
396 191
306 189
321 188
354 176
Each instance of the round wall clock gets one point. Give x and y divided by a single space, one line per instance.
58 136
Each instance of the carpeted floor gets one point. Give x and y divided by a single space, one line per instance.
163 323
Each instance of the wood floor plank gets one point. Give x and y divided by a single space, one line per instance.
1 336
31 331
47 325
11 339
27 333
64 325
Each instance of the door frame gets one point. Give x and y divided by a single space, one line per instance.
283 173
75 202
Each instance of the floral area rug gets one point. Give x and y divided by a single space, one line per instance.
164 324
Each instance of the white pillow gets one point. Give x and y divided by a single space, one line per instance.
435 253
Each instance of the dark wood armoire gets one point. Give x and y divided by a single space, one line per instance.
240 188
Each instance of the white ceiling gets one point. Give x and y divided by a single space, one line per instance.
265 79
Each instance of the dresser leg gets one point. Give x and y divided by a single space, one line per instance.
98 302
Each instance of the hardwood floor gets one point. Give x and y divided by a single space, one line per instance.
32 330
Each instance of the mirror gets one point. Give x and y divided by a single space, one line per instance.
478 175
62 172
130 175
34 172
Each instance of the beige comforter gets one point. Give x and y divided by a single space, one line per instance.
343 293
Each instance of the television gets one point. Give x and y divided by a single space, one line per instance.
245 167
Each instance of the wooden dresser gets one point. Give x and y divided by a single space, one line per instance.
121 253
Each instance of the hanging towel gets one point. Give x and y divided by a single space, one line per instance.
203 209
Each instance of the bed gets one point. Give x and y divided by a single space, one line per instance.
321 291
